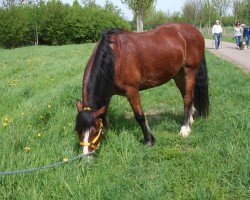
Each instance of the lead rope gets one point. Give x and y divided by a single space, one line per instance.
44 167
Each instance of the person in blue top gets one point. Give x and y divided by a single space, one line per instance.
246 35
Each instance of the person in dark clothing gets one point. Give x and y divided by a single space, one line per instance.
246 35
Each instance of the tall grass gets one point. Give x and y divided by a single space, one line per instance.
38 87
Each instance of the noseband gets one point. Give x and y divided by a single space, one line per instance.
93 144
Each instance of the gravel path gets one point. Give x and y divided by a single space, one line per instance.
229 52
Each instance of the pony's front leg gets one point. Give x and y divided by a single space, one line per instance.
135 103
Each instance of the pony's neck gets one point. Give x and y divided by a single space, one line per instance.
99 75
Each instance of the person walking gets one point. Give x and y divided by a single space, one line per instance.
217 32
237 34
246 35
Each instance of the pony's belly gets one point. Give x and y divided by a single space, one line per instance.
152 83
158 77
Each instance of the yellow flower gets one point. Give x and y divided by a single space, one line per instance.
39 134
49 105
65 159
27 149
13 82
6 121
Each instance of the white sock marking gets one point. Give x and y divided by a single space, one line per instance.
146 122
191 118
185 131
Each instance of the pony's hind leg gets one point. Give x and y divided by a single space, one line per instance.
185 81
135 103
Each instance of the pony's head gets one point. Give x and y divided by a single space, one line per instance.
89 127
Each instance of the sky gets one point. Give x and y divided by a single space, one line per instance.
163 5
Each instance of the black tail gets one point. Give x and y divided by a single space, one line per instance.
201 98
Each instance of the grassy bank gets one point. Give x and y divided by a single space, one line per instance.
38 89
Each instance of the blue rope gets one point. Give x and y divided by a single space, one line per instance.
43 167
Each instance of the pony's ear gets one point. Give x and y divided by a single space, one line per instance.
78 105
99 112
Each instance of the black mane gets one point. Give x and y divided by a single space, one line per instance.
101 79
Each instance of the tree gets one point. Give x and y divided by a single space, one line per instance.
246 12
189 11
155 19
176 17
199 11
54 25
10 3
193 11
89 3
208 11
238 7
140 9
221 6
112 8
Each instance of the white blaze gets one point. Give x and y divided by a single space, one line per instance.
86 140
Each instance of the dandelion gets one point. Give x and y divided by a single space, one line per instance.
13 82
27 149
6 121
39 135
65 159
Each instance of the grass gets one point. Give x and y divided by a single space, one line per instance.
38 89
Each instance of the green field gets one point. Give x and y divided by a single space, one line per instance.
38 88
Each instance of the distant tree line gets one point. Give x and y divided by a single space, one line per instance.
29 22
205 12
55 23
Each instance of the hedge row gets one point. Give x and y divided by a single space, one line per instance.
55 23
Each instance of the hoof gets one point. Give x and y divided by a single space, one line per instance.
150 140
185 131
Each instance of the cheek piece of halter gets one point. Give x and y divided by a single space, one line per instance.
94 144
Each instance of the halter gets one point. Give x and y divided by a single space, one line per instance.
93 143
87 108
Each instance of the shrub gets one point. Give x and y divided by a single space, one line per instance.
14 27
55 23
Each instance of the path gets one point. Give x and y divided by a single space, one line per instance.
229 52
